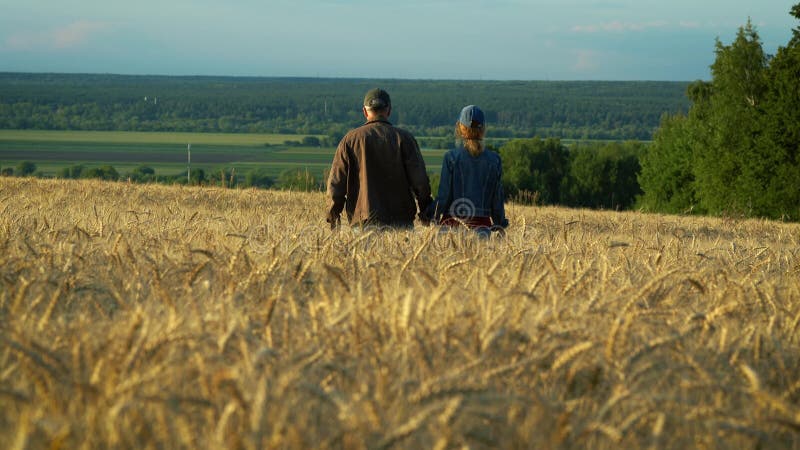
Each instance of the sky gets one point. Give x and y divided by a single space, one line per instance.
408 39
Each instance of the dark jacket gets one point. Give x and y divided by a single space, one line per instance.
470 186
376 175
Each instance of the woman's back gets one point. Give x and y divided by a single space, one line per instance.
474 178
471 186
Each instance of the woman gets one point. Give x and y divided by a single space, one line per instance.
470 188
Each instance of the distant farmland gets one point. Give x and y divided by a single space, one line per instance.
167 152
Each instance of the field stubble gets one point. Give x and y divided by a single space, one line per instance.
137 316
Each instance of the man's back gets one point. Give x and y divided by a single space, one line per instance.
376 174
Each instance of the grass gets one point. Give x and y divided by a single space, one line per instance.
145 316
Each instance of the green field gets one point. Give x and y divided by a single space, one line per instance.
126 137
167 152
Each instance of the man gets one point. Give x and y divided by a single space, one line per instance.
378 171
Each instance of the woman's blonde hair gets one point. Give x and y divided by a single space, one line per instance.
472 137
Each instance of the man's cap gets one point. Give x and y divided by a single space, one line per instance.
472 117
377 99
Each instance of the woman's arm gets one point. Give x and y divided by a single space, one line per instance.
498 207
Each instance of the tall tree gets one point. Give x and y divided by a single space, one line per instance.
729 177
779 146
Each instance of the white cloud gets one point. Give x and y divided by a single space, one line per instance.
586 60
76 33
69 36
619 27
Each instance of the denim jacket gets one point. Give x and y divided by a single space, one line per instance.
470 186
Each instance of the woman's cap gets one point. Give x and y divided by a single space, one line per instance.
377 99
472 116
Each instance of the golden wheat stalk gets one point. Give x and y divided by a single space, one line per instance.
571 353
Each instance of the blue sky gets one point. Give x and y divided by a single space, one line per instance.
470 39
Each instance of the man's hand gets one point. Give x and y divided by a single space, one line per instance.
334 221
425 216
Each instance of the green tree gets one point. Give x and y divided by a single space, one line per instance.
197 176
258 178
779 144
534 165
298 180
144 170
105 172
25 168
667 175
311 141
224 177
71 172
602 176
729 174
142 174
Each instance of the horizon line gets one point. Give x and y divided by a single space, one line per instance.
350 78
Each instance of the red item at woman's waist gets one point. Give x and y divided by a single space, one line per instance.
469 222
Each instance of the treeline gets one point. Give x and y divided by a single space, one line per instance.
737 151
329 107
589 175
296 179
536 171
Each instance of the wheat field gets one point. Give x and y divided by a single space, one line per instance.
150 317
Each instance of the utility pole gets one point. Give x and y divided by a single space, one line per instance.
189 164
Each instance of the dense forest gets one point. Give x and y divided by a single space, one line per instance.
329 107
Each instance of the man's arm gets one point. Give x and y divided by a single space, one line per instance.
337 185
